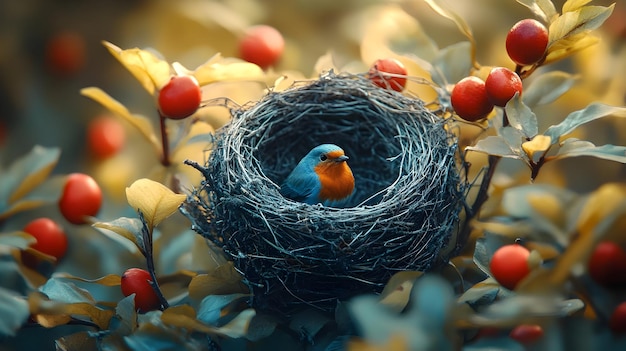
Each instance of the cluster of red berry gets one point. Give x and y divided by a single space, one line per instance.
607 267
81 198
473 99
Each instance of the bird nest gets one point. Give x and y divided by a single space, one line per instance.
405 208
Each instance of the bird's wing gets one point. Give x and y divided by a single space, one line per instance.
300 187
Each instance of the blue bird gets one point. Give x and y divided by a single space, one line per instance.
322 176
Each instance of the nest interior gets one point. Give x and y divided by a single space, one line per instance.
404 211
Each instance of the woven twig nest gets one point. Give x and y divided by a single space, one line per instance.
406 206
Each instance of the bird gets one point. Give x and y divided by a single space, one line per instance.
322 176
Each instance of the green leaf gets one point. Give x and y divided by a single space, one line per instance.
573 5
548 87
584 19
126 314
452 64
14 311
154 200
494 145
521 117
575 119
573 147
141 123
124 227
544 9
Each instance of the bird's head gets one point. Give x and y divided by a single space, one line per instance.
325 155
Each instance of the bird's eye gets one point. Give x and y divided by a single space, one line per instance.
323 157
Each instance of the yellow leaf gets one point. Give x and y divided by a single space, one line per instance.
52 320
155 201
568 46
148 69
604 208
142 124
573 5
184 316
540 143
107 280
397 292
222 281
219 70
581 20
99 316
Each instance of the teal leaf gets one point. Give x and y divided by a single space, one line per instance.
66 292
494 145
521 117
308 323
573 147
580 117
452 64
211 307
547 87
23 176
126 314
18 240
484 250
14 311
126 231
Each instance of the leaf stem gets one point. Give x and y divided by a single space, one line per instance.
165 143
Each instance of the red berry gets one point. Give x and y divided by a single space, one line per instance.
501 85
65 53
526 333
469 99
617 323
105 136
607 264
180 97
388 74
262 45
51 239
139 282
81 197
527 41
509 265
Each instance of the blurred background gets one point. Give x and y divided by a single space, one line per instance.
50 49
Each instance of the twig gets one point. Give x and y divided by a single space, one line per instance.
165 159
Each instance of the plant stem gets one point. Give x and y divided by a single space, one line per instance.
147 243
481 198
165 143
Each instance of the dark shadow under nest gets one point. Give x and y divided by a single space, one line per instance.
405 209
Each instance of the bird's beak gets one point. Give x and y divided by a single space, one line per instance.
342 158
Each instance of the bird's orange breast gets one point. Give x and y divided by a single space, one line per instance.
337 181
